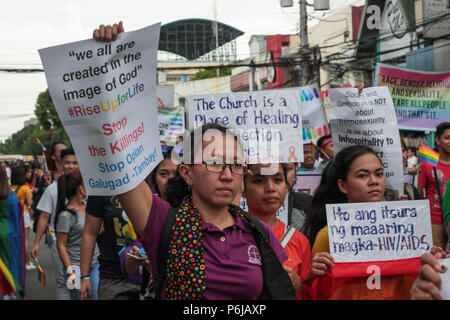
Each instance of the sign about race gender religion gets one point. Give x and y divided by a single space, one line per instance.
269 122
421 99
379 231
102 92
369 120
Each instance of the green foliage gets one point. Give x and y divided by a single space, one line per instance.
46 113
212 73
48 129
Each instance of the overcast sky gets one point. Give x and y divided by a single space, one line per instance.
31 25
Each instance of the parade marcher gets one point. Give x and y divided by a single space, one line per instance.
409 189
11 242
433 180
355 175
300 201
224 239
47 207
412 160
106 224
23 193
69 224
265 194
326 151
54 159
5 165
309 160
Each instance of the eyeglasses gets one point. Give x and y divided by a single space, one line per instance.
236 168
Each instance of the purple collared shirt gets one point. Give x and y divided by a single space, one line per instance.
232 260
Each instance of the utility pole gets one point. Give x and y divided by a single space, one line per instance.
216 33
305 66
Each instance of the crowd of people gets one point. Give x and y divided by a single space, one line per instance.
109 247
181 233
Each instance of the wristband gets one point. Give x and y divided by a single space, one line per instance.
85 277
69 270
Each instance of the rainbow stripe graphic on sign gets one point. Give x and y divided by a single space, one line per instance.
314 133
309 95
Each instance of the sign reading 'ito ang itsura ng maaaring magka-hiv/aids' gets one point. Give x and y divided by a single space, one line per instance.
379 231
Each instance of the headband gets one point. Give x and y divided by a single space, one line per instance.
325 143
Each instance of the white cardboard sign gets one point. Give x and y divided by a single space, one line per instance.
102 93
269 122
379 231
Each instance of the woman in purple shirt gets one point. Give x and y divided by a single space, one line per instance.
212 251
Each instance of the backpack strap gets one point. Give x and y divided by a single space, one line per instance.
277 283
290 208
163 248
438 188
288 233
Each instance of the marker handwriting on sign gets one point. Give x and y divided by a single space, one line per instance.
372 230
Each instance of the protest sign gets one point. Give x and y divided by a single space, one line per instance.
314 119
104 93
170 124
379 231
421 99
307 182
369 120
268 122
165 96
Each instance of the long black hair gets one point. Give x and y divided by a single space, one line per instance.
67 189
50 152
18 177
328 191
177 188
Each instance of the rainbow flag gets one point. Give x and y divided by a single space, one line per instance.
49 237
12 246
41 273
428 155
315 150
44 160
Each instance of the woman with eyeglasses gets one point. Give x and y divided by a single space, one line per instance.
212 251
265 194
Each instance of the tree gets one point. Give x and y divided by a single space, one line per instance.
46 112
48 129
212 73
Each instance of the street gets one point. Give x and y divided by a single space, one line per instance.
33 288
